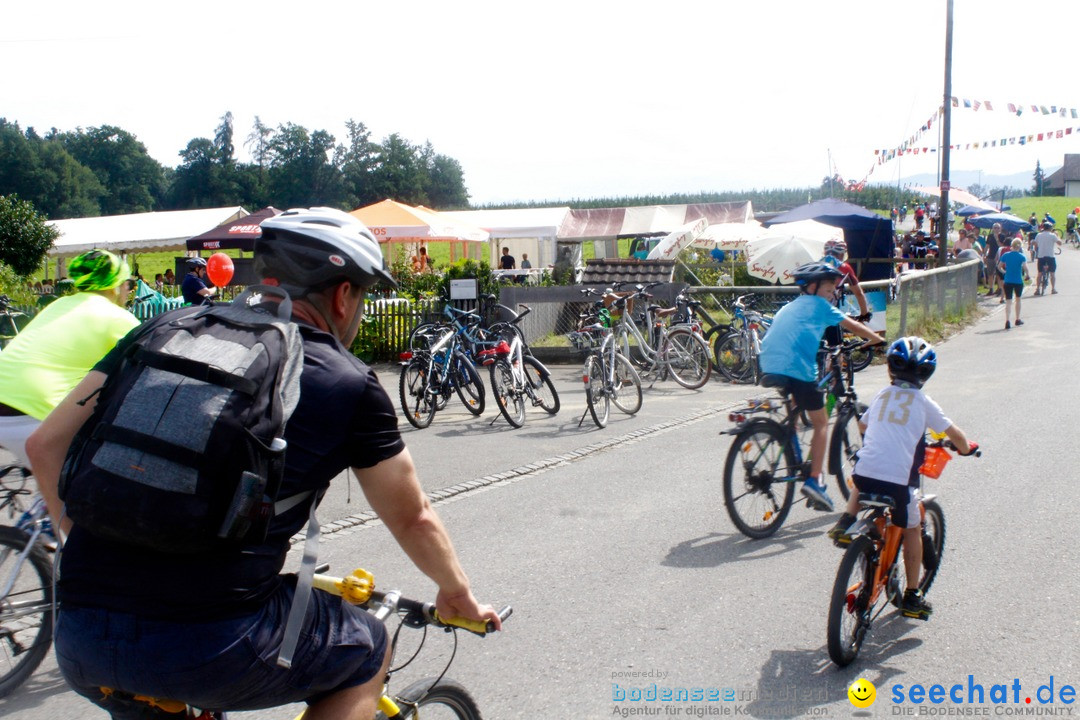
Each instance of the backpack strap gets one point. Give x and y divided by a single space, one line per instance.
304 579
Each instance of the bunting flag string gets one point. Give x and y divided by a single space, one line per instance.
1016 108
885 155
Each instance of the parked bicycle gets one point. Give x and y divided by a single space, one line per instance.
26 581
872 575
517 377
766 456
676 351
738 350
12 321
430 375
608 374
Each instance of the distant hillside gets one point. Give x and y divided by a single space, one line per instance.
966 178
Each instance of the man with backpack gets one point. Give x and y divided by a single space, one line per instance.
205 620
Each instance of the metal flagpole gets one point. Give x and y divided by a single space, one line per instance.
946 137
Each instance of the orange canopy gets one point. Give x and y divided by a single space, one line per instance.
392 221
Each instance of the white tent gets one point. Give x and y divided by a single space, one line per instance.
140 232
530 230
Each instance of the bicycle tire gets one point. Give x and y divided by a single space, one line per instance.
733 357
598 401
687 358
448 694
849 610
861 359
845 443
413 389
508 397
25 612
467 382
626 394
765 439
933 537
541 389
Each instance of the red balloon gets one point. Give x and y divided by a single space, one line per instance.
219 268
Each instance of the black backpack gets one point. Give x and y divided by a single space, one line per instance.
185 451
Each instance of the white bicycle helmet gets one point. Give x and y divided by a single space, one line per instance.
308 250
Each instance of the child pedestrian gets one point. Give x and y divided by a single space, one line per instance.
1014 264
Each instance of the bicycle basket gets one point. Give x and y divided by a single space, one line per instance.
934 462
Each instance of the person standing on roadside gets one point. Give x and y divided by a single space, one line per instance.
1013 264
994 242
1045 244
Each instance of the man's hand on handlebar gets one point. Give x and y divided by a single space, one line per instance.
464 605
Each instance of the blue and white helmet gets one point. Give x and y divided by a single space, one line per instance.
912 359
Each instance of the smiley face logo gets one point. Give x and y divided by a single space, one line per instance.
862 693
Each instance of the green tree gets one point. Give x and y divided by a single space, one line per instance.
445 183
42 172
398 174
1040 180
301 172
358 161
24 235
133 181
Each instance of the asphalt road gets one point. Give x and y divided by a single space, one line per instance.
624 569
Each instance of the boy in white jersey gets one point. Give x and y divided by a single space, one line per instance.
892 451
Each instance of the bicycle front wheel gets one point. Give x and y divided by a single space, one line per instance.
541 389
507 395
687 358
444 701
844 445
849 606
470 388
417 402
933 543
758 480
596 397
26 611
733 357
626 391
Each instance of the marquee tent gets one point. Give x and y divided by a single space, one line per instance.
240 233
608 223
531 230
139 232
867 234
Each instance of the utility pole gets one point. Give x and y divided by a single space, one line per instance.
946 137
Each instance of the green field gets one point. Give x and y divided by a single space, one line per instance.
1058 207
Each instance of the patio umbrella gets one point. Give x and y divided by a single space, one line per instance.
970 210
730 236
240 233
1009 223
673 243
781 249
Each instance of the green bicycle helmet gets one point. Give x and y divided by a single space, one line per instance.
98 270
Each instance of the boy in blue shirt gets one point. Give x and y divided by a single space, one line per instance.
1014 265
789 358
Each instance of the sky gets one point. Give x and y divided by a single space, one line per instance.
564 99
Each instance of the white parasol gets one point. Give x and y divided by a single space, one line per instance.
674 243
779 250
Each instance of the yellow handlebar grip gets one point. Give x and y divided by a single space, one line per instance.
480 627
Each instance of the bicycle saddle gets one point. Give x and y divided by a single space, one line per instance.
873 500
779 382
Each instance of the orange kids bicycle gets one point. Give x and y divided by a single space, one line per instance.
872 575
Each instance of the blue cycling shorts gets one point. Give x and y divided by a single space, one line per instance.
219 665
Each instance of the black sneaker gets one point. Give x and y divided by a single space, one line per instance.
838 533
915 606
1019 322
1007 325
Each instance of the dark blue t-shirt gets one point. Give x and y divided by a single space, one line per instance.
190 288
344 419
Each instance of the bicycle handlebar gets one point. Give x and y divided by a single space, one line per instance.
359 589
